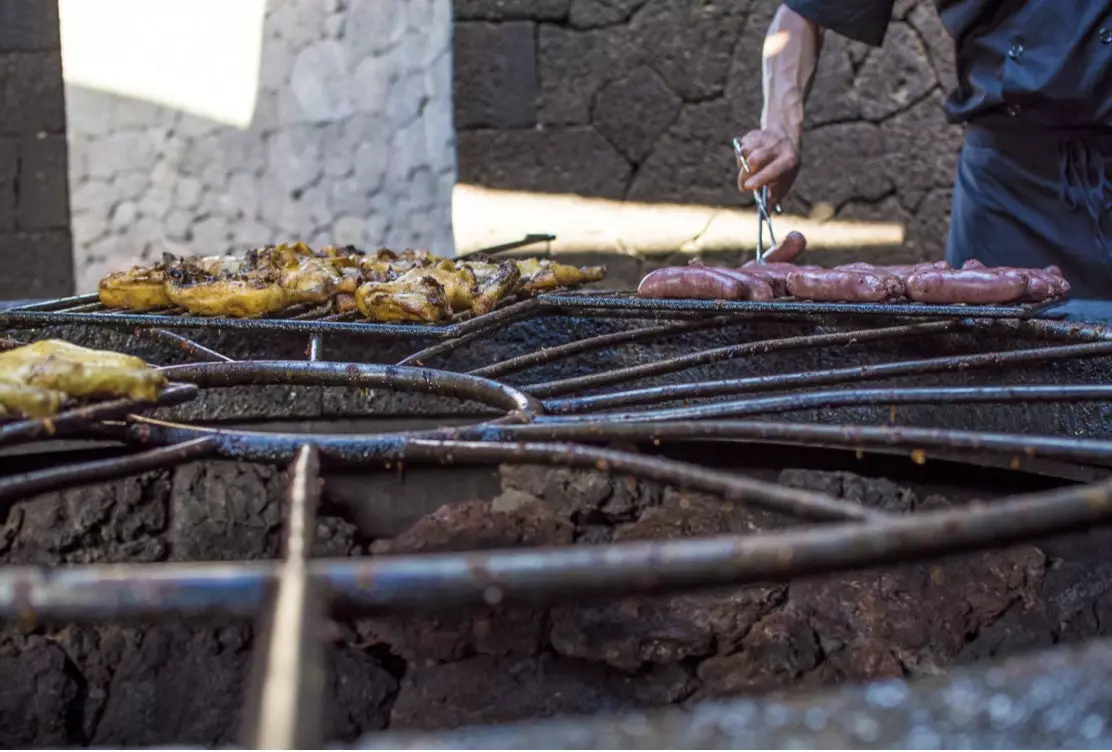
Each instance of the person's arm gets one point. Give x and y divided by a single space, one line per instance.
788 63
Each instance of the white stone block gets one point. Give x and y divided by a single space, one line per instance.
87 228
293 158
375 26
120 152
349 230
123 215
156 202
346 196
321 83
372 162
243 193
177 224
187 193
374 77
131 185
211 235
92 197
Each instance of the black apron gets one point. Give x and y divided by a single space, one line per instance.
1036 199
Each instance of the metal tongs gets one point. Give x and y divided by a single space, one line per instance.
761 198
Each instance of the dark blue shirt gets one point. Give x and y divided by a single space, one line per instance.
1027 64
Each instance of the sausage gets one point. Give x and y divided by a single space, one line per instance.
1058 280
975 286
791 246
775 274
903 271
844 285
703 282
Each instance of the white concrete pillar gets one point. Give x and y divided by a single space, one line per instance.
205 125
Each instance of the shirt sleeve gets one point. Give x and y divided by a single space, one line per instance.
862 20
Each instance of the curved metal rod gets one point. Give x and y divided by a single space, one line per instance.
1021 446
658 394
852 398
602 341
718 354
440 446
547 575
80 417
402 378
21 486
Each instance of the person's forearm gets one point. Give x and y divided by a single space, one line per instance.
789 60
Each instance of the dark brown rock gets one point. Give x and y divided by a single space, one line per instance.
668 629
39 265
573 160
583 496
456 634
225 511
31 93
923 613
834 94
896 75
9 163
843 162
43 200
501 10
586 14
29 25
692 163
573 67
743 80
861 660
112 522
774 655
875 493
939 44
495 84
37 697
493 690
186 685
359 694
921 151
634 111
691 45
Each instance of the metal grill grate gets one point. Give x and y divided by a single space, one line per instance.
555 422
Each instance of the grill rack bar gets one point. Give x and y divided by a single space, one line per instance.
600 304
248 588
538 576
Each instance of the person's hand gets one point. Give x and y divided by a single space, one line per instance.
773 160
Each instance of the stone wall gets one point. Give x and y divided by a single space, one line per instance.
637 100
351 142
35 242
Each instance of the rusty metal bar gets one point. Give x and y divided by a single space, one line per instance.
23 485
729 352
855 398
45 428
917 440
548 575
287 702
440 447
402 378
656 395
185 344
644 334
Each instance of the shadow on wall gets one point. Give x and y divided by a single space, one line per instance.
637 100
349 140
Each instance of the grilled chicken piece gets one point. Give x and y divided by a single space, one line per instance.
36 379
309 280
496 282
538 275
138 289
414 296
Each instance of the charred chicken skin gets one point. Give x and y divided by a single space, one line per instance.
36 379
270 279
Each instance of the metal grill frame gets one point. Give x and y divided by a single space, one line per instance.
545 423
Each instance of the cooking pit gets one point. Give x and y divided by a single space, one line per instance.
340 532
